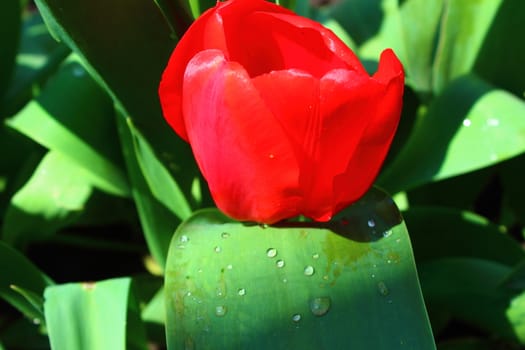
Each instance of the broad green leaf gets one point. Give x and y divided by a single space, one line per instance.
157 221
38 57
446 232
161 183
126 43
20 273
54 195
93 315
470 126
464 25
10 13
500 60
470 289
411 38
76 118
297 285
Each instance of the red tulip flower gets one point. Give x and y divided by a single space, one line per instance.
281 116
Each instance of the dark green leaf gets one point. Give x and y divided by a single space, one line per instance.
38 57
158 223
446 232
470 289
9 35
18 271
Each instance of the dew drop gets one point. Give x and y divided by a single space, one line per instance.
241 292
271 156
285 280
309 270
184 239
371 223
320 306
315 256
229 267
492 122
220 310
467 122
296 318
279 263
225 235
36 321
217 249
271 252
383 289
387 233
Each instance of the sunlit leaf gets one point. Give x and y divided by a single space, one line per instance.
92 315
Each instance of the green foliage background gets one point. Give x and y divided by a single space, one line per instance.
93 183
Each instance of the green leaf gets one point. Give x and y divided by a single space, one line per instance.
158 223
125 42
500 60
92 316
470 289
161 183
199 6
38 57
470 126
54 195
446 232
9 35
23 275
464 25
411 38
76 118
155 310
296 285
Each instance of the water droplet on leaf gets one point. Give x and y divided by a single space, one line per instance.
320 306
383 289
220 310
241 292
271 252
225 235
279 263
296 318
309 270
217 249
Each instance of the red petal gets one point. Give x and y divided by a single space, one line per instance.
373 146
275 41
205 33
241 150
